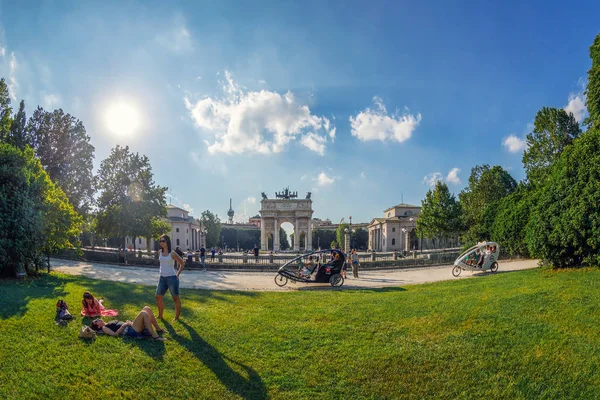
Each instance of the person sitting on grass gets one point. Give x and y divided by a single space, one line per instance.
93 307
143 325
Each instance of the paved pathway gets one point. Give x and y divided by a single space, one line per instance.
263 281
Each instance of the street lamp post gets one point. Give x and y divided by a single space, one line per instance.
346 240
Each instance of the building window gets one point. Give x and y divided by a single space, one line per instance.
187 231
187 242
140 241
384 242
393 241
177 241
389 214
177 230
393 229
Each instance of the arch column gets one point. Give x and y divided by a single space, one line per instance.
296 235
263 236
308 239
276 235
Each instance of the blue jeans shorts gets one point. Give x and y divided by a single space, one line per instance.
130 332
168 282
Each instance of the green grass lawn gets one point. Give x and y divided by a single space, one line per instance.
529 334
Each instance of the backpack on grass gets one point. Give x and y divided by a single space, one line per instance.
62 311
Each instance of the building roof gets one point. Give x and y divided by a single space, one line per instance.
402 205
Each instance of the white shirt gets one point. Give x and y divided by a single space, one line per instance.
166 264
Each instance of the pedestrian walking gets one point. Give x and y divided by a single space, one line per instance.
203 257
355 263
212 254
189 259
255 254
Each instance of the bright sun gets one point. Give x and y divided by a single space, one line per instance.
122 119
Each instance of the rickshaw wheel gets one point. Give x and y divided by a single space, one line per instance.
494 267
456 270
281 280
336 280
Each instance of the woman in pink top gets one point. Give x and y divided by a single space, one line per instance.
92 307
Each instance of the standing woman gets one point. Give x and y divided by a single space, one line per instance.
169 277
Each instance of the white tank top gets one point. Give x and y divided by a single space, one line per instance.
166 265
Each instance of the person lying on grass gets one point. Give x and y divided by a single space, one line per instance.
92 307
143 325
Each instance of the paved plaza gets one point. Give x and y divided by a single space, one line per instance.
263 281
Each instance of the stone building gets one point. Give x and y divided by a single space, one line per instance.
395 231
186 231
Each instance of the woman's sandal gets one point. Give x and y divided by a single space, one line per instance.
160 331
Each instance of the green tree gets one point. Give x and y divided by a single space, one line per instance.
340 235
487 185
510 219
323 237
130 202
212 223
283 239
63 147
564 226
441 214
36 215
553 130
18 129
592 91
5 110
360 238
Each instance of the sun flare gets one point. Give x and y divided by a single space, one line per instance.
122 119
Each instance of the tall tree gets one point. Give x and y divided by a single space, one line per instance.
323 237
130 201
564 226
486 186
440 216
284 244
553 130
212 223
5 110
36 215
592 91
18 129
510 219
63 146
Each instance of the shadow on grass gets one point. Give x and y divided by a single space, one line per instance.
248 388
16 295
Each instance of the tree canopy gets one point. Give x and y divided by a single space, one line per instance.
212 224
63 147
553 130
129 202
440 216
37 217
487 185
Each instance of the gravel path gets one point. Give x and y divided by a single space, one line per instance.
263 281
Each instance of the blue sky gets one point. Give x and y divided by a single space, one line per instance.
361 103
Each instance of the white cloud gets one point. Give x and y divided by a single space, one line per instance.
12 78
362 174
251 200
50 100
376 124
514 144
2 51
452 176
188 208
324 180
332 134
576 106
431 179
314 142
255 122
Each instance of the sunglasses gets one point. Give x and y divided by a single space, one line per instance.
87 296
162 241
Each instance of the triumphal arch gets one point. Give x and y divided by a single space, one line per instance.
286 207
